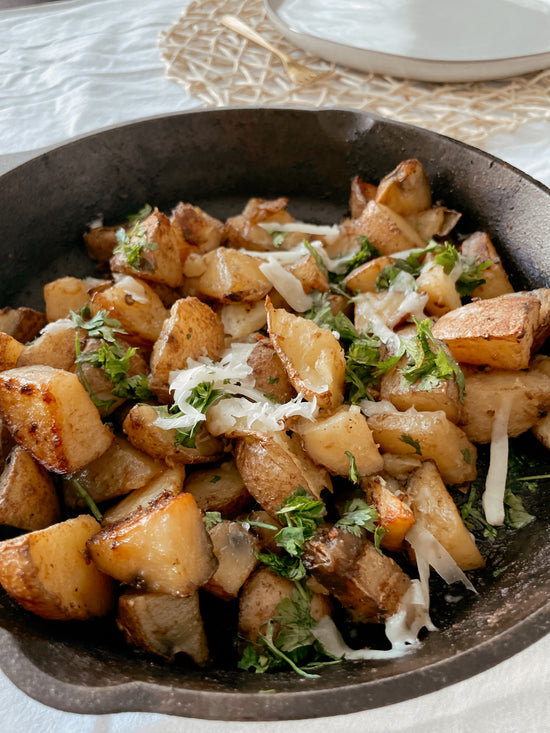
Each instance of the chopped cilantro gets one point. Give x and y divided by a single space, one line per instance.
142 214
132 243
353 473
201 398
356 514
215 479
409 440
367 252
278 238
316 256
88 499
210 519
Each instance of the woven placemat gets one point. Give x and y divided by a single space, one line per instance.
220 68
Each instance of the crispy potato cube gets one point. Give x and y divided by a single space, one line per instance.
163 625
160 260
28 499
387 231
64 295
163 548
239 232
22 324
230 276
369 585
363 278
241 319
480 247
328 440
441 290
121 469
434 509
308 273
361 193
393 514
10 351
235 548
48 572
406 189
401 393
55 346
311 355
198 228
260 596
101 241
191 330
498 332
219 488
530 395
167 483
160 443
138 308
52 416
433 435
274 465
269 373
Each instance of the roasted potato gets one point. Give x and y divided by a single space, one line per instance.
55 346
480 247
406 189
198 228
229 276
23 324
236 548
10 351
385 229
394 515
167 483
219 488
64 295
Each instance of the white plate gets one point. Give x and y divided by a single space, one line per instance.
430 40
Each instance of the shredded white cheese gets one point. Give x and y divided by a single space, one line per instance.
287 285
331 640
131 286
331 232
495 483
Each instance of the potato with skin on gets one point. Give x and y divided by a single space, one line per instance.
163 253
260 596
100 241
10 351
530 399
328 440
136 305
274 465
199 229
361 192
229 276
311 356
387 231
236 548
393 514
191 330
437 221
52 416
23 324
28 499
307 271
49 573
434 509
269 373
163 625
369 585
219 488
167 483
139 426
433 435
64 295
406 189
121 469
55 346
498 332
162 548
480 247
241 233
363 278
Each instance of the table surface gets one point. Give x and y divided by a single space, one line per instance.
70 67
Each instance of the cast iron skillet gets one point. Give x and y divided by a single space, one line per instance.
217 159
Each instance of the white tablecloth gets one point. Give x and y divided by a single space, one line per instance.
67 68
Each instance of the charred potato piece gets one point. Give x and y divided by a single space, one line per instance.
48 572
229 276
167 483
311 356
28 499
406 189
387 231
198 228
498 332
160 444
10 351
191 330
219 488
163 548
52 416
393 514
22 324
235 547
480 247
269 373
360 194
54 347
64 295
163 625
434 509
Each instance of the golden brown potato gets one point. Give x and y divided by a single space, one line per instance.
498 332
191 330
274 465
311 356
269 373
160 443
163 548
369 585
441 290
198 228
28 499
308 273
229 276
138 308
64 295
434 509
54 347
480 247
385 229
236 548
22 324
219 488
261 595
360 194
363 278
121 469
393 514
48 572
432 436
241 233
167 483
52 416
242 319
100 242
329 439
163 625
258 209
10 351
406 189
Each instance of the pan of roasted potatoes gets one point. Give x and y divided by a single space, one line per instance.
274 415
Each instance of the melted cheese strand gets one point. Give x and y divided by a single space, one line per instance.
495 484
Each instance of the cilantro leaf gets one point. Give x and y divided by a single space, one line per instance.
366 252
132 243
92 506
356 514
353 473
210 519
201 398
409 440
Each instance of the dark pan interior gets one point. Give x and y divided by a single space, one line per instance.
217 159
